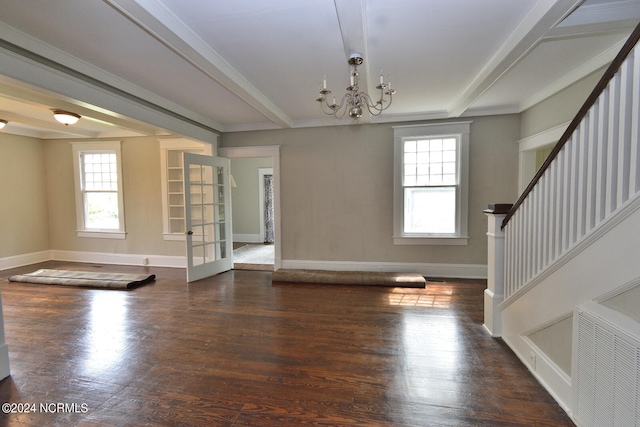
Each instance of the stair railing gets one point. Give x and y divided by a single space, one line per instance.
592 172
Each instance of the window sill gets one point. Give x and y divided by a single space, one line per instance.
121 235
433 241
174 236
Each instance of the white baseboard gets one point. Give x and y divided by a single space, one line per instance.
93 257
459 271
122 259
248 238
557 383
24 259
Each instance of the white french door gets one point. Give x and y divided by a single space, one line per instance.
207 216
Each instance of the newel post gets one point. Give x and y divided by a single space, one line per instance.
494 294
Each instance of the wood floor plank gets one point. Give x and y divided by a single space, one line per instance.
235 350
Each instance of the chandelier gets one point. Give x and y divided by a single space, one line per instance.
355 101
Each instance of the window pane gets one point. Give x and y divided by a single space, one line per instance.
101 210
409 158
449 179
448 156
449 144
409 146
436 145
430 162
449 168
99 172
430 210
423 145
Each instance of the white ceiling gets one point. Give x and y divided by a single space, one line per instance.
247 64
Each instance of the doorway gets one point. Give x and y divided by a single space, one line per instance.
256 206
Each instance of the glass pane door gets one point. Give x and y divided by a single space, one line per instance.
208 219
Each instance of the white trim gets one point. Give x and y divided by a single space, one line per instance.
444 241
24 259
102 234
471 271
177 144
546 372
459 271
93 257
461 130
162 24
178 237
527 148
529 33
619 290
120 259
125 100
248 238
622 213
97 146
544 138
272 151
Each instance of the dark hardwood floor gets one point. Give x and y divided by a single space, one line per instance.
235 350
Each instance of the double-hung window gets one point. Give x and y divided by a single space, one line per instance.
431 184
99 199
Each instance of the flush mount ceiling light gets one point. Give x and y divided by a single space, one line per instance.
3 123
355 101
65 117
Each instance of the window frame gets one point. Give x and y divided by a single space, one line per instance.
458 130
111 147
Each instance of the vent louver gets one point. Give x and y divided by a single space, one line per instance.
606 369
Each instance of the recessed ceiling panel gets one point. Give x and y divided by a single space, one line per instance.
550 62
283 47
433 49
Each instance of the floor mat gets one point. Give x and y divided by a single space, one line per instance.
84 278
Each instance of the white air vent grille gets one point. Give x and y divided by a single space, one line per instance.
606 367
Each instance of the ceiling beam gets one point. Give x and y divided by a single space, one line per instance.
38 98
154 18
542 18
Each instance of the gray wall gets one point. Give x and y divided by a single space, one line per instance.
559 108
24 224
246 197
337 190
142 201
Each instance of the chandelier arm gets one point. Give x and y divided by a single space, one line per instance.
322 107
342 104
335 112
373 108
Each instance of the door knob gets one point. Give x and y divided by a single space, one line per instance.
189 232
